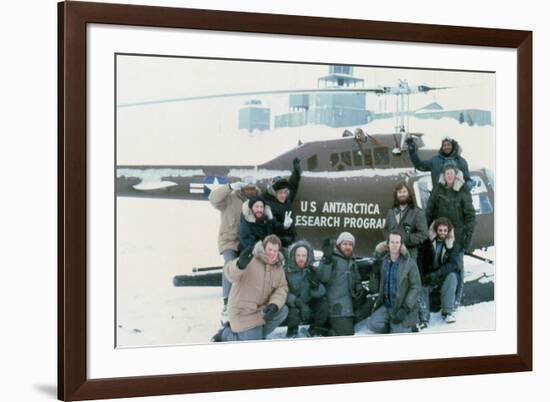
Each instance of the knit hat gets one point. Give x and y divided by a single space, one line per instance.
345 236
450 165
279 183
254 200
249 182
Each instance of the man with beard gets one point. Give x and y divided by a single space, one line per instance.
439 265
280 195
229 199
449 199
256 222
450 151
306 302
257 299
345 293
398 284
407 218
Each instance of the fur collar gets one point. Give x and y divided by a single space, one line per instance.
382 249
292 253
449 240
249 216
259 252
459 181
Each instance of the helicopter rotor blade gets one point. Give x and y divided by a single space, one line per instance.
254 93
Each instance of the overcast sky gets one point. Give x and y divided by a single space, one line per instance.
143 79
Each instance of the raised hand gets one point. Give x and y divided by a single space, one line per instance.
288 220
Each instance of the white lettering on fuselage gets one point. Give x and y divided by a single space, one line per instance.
363 215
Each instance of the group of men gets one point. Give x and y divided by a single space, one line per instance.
270 279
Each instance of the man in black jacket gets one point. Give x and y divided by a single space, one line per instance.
279 196
450 151
438 260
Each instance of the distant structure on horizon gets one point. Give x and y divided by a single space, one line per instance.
254 116
329 109
343 109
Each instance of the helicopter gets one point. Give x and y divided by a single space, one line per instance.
357 174
347 182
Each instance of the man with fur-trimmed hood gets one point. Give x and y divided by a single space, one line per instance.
398 284
229 199
449 199
279 195
306 300
345 293
407 218
450 151
258 295
438 261
256 222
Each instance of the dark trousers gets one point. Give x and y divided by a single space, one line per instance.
340 326
317 319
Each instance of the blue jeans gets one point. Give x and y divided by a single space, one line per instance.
460 284
256 333
228 255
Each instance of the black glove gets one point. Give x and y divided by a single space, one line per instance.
400 315
313 280
432 278
296 165
327 248
411 145
305 312
269 311
360 292
245 257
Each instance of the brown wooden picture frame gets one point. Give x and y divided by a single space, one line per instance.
73 17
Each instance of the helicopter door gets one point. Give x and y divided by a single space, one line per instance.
422 187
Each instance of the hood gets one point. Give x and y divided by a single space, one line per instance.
271 194
292 252
259 252
449 240
382 249
240 193
457 150
459 181
249 216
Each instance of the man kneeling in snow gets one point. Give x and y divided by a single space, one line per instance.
306 300
438 259
258 292
396 308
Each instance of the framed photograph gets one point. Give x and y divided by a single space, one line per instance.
315 127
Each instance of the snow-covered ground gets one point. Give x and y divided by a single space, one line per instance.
157 239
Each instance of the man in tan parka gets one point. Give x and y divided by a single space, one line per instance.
258 294
229 199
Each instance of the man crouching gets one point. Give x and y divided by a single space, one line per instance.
399 287
306 300
258 293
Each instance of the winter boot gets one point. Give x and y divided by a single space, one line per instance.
292 332
449 318
218 335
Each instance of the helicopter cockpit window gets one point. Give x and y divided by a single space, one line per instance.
480 197
312 163
334 159
368 157
381 156
357 158
346 158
